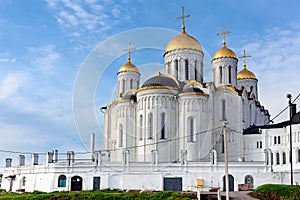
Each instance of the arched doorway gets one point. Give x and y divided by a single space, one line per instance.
249 180
231 183
76 183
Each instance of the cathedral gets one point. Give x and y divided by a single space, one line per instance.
168 133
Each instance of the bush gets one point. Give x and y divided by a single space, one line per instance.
277 192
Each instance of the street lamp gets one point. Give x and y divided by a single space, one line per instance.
289 96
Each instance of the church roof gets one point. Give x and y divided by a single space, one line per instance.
224 52
183 41
161 79
128 67
245 74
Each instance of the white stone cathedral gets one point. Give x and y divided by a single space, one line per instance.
168 133
176 116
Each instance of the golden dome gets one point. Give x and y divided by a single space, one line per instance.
183 41
245 73
224 52
128 67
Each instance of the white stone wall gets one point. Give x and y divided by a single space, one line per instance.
225 64
127 80
195 60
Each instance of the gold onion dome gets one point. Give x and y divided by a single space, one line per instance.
128 67
245 73
183 41
224 52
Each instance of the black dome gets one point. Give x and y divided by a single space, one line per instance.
192 89
161 80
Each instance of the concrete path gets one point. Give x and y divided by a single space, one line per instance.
240 195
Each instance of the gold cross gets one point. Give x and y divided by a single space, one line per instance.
245 56
183 17
224 33
158 68
128 50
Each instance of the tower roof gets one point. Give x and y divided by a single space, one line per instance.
183 40
161 79
245 73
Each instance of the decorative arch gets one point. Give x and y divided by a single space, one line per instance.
76 183
62 181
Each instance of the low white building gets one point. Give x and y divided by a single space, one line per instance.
167 133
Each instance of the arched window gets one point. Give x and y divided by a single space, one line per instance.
176 68
249 180
163 126
141 127
131 83
275 140
283 158
120 135
191 130
186 70
221 74
150 125
277 159
223 111
229 74
196 70
278 140
62 180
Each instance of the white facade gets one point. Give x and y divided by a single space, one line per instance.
172 127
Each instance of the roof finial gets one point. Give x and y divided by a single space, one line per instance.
224 33
245 56
183 17
158 68
128 50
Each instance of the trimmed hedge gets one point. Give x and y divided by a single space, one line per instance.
277 192
105 195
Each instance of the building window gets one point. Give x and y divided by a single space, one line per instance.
272 160
277 159
229 74
150 123
24 181
257 144
120 135
62 180
163 125
298 155
131 83
196 70
223 112
221 74
123 86
260 144
191 130
186 70
141 127
275 140
284 158
278 140
176 67
249 180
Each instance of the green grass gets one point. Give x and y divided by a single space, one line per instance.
277 192
99 194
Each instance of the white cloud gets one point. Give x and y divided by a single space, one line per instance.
11 83
46 58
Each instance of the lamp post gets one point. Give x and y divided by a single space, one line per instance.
289 96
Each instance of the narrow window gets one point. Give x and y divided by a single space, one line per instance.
62 179
277 159
196 70
186 70
275 140
24 181
257 144
272 162
120 135
123 86
141 127
191 130
223 116
229 74
221 74
131 83
150 126
298 155
284 158
163 124
260 144
278 139
176 67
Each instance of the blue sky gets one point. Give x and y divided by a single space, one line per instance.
45 44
